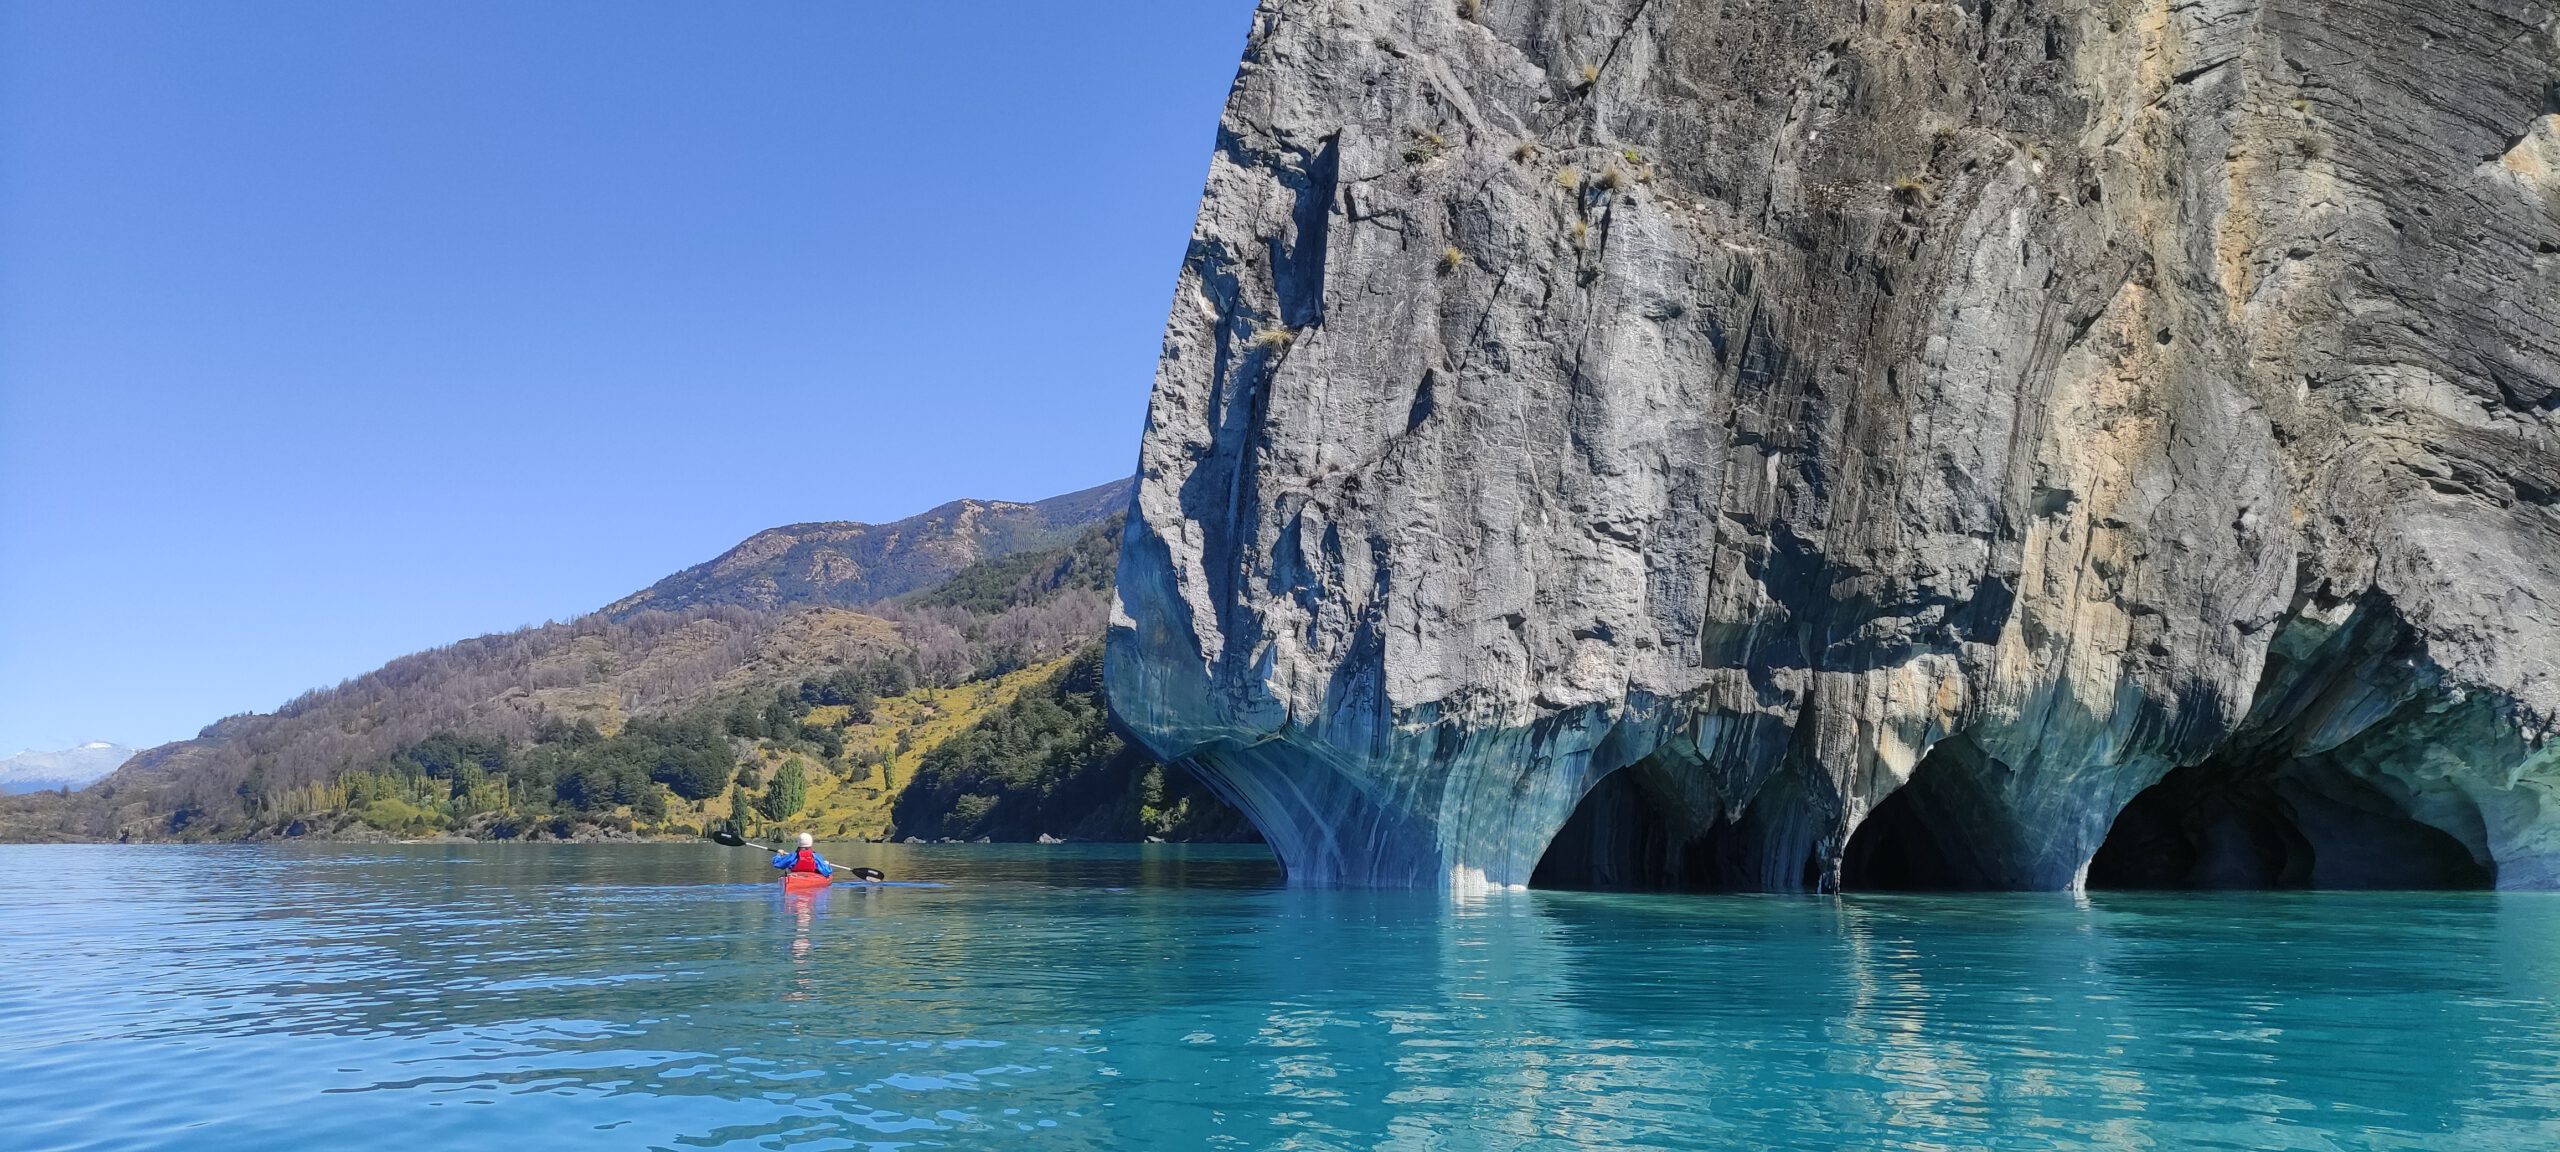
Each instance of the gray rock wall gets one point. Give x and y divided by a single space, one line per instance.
1705 430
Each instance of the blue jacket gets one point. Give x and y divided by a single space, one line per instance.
787 859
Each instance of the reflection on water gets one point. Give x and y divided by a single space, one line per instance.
668 996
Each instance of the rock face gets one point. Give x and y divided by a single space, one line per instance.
1783 446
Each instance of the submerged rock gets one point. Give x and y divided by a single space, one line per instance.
1773 446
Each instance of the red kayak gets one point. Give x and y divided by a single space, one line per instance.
804 882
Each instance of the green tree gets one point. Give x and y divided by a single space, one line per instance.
830 741
651 803
688 754
787 794
969 814
444 754
853 688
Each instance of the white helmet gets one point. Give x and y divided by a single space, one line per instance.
805 840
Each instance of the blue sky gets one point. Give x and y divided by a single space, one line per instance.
333 331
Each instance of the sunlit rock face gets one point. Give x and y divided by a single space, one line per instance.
1768 446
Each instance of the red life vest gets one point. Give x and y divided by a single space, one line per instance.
806 860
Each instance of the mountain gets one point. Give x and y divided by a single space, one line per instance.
509 688
68 768
1813 446
734 691
847 563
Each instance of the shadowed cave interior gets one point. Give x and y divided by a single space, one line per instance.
2226 823
1898 848
1634 831
2290 825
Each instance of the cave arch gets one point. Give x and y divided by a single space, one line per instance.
1952 827
2231 824
1897 849
1642 828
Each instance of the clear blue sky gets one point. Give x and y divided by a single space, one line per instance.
330 331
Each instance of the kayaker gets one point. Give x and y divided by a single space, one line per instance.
806 859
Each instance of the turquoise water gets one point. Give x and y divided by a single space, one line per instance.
664 996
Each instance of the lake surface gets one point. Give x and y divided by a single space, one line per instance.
666 996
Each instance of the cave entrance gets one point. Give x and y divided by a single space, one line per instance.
1897 849
2295 825
1636 831
1941 831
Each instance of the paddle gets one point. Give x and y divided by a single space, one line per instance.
731 839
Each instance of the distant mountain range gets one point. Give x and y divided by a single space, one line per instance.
68 768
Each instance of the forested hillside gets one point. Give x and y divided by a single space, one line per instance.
846 563
978 691
1047 762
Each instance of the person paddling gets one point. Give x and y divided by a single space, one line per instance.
806 859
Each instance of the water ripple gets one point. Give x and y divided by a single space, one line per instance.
665 996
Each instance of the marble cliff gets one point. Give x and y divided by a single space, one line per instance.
1863 443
